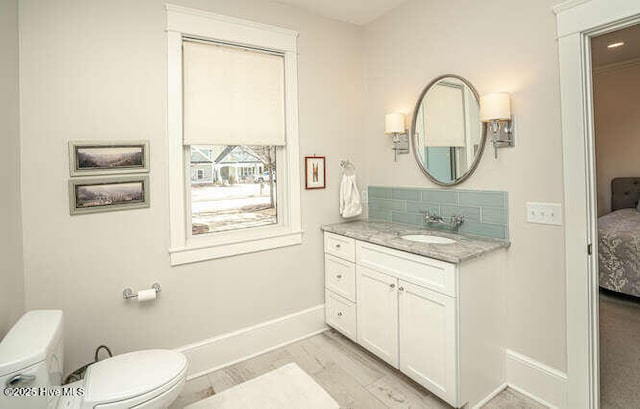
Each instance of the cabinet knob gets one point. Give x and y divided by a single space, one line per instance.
338 276
338 246
340 314
392 285
401 288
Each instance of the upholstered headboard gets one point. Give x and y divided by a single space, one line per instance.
625 193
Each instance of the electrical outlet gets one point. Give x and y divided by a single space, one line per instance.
544 213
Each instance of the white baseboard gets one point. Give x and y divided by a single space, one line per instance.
491 396
218 352
536 380
525 375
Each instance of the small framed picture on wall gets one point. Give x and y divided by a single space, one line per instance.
103 158
315 172
92 195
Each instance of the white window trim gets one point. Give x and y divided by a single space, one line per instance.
186 248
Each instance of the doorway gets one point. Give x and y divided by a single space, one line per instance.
615 73
580 21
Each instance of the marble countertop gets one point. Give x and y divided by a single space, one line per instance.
388 234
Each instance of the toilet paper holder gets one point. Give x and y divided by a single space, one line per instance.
128 292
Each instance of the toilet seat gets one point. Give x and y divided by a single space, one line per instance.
33 348
131 379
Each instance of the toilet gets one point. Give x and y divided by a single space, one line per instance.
31 363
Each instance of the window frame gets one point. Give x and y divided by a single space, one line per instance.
186 248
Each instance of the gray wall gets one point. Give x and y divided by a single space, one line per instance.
11 272
501 45
96 70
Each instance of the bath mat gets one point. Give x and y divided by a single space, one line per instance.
287 387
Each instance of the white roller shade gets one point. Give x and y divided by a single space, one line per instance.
232 96
444 117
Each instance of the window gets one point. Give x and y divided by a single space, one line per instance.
239 195
232 124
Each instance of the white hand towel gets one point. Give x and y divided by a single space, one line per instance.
349 197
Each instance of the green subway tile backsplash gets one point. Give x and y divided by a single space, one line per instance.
382 192
469 213
421 207
496 231
486 212
440 196
495 216
387 204
382 215
415 219
484 198
405 194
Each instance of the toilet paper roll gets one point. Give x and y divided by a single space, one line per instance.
146 295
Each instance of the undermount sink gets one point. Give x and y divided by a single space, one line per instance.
425 238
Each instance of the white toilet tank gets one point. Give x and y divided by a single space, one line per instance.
31 361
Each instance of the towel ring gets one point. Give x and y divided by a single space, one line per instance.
348 168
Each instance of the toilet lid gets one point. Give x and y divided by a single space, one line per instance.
129 375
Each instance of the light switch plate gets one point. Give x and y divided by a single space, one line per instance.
544 213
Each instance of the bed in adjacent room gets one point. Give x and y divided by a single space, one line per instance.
619 239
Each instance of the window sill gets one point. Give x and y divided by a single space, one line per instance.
202 252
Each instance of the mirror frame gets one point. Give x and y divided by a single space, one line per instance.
483 140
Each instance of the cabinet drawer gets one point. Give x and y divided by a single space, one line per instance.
340 313
340 246
340 276
423 271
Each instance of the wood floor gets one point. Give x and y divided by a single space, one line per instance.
351 375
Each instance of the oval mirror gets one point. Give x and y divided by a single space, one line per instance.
447 135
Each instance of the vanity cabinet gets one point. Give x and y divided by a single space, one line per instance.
410 326
439 323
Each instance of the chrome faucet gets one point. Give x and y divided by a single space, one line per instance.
433 218
454 221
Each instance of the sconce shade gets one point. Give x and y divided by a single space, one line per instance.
394 123
495 106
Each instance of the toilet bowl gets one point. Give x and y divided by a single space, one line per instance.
31 372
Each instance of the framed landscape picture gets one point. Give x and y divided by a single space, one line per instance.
315 172
102 158
92 195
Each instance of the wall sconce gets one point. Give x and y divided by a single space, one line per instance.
495 110
394 125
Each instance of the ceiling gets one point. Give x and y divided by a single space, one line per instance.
358 12
603 56
361 12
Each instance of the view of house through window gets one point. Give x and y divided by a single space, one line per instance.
232 187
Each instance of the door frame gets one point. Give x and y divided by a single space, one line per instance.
578 21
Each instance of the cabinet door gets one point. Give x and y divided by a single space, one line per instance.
428 340
377 313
